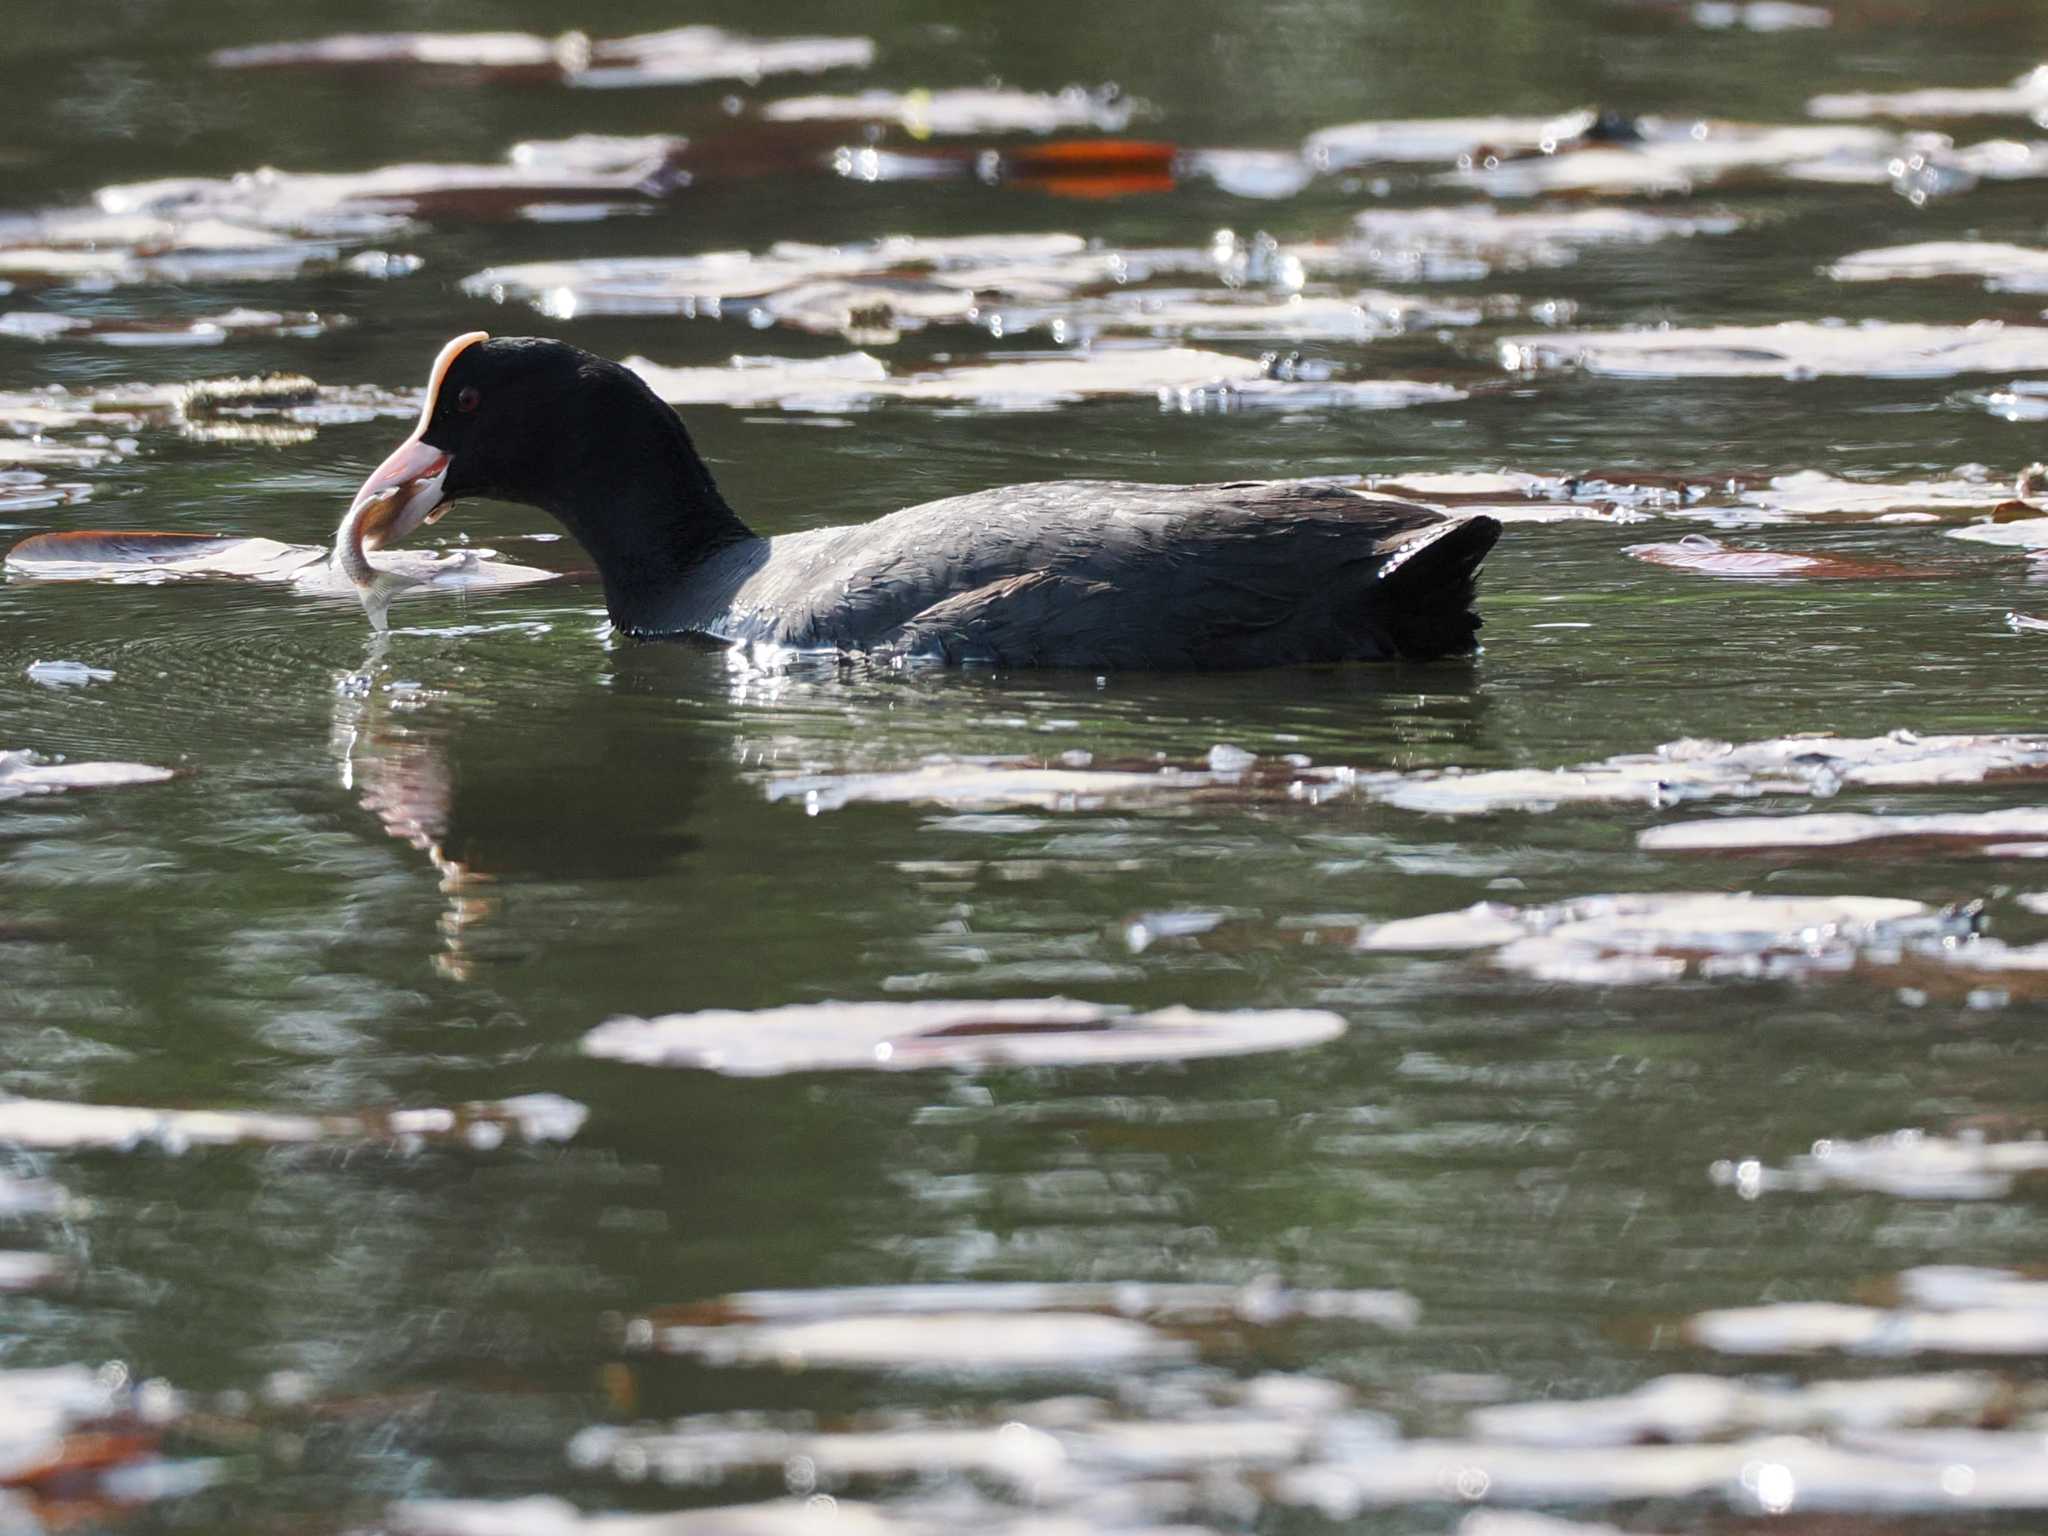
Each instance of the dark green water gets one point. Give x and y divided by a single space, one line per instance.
1528 1159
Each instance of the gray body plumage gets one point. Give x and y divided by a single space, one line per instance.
1091 573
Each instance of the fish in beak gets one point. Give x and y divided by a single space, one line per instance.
404 491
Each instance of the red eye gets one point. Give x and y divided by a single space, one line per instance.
468 399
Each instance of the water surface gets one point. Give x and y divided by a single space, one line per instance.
417 870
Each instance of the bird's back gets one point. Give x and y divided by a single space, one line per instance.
1116 574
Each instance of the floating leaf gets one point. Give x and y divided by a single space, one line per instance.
1907 1470
543 1516
143 558
1176 377
1710 557
1760 16
965 111
20 1271
1808 1327
1691 769
677 56
1838 829
66 674
1005 284
50 1125
121 555
1682 1410
1873 349
961 1036
24 773
1473 239
999 1328
2027 96
1631 939
2001 267
205 331
1680 156
75 1439
1423 141
1910 1164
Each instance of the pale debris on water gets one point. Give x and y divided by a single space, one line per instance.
24 773
53 1125
1679 156
1910 1164
96 249
268 408
966 110
24 1271
1177 378
1760 16
1689 1408
1816 493
999 783
347 208
875 292
132 558
2027 96
1725 500
66 674
1915 1470
961 1036
1697 769
1058 1456
1840 829
69 1433
706 283
815 1515
2021 400
1473 239
2030 533
676 56
1994 1315
1261 1302
2002 267
1422 141
1631 939
1795 349
947 1342
30 490
144 331
998 1327
1710 557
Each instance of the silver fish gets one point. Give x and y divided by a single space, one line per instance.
362 531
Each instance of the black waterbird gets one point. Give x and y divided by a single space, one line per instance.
1070 573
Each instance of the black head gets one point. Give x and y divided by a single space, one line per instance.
537 421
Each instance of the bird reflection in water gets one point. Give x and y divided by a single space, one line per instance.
498 798
399 768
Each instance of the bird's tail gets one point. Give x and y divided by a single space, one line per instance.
1430 584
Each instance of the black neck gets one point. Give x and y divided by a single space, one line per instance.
643 503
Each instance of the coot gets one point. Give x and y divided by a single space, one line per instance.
1069 573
